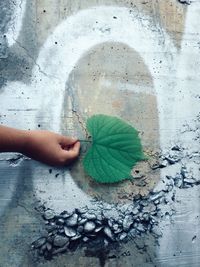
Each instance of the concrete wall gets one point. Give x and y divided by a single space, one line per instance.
63 61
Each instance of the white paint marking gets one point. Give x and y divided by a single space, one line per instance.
79 33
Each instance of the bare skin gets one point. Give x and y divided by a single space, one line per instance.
45 146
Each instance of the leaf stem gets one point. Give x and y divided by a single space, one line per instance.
86 141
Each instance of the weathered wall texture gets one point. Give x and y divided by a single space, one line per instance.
63 61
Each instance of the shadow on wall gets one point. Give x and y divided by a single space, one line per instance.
112 78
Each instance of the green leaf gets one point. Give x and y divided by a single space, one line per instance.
115 149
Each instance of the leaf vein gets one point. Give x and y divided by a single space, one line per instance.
114 167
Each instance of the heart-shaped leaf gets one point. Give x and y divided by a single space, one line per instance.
115 149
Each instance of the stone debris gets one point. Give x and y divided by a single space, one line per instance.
156 231
65 214
108 233
184 172
98 229
89 226
162 186
57 251
82 221
60 241
122 236
70 232
118 223
157 196
49 246
60 221
72 220
114 224
76 237
140 228
178 180
85 239
127 222
186 2
49 214
90 216
39 242
134 220
176 148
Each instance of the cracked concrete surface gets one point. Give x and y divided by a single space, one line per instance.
61 62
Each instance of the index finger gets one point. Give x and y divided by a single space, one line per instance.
67 140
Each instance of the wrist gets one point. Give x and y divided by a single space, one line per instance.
18 140
24 141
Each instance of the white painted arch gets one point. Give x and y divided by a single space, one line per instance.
76 36
79 33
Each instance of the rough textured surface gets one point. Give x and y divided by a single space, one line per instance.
63 61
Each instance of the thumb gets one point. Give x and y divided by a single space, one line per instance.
67 141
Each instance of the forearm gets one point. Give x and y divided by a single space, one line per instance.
45 146
12 140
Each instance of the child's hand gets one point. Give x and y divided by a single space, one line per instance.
51 148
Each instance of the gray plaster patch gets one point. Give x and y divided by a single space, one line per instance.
6 11
3 47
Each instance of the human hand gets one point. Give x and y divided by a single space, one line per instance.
51 148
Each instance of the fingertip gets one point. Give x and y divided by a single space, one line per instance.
77 144
75 139
75 150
